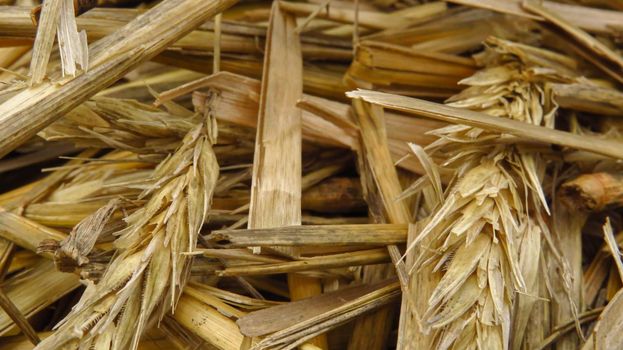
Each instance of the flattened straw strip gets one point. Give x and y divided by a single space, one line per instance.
333 317
339 320
44 41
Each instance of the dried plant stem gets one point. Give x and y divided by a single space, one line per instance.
154 341
26 233
364 257
450 114
276 200
7 251
605 333
566 296
454 200
9 55
15 25
31 110
301 27
562 329
366 332
46 32
593 192
588 18
72 44
216 64
17 317
279 317
17 200
321 235
28 295
324 121
52 152
289 337
613 247
179 335
367 19
321 198
376 152
208 323
6 254
588 98
586 40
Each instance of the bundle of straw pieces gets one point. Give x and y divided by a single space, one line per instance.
311 174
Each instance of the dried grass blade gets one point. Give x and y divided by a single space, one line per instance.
449 114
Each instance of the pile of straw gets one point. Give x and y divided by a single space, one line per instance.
318 174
